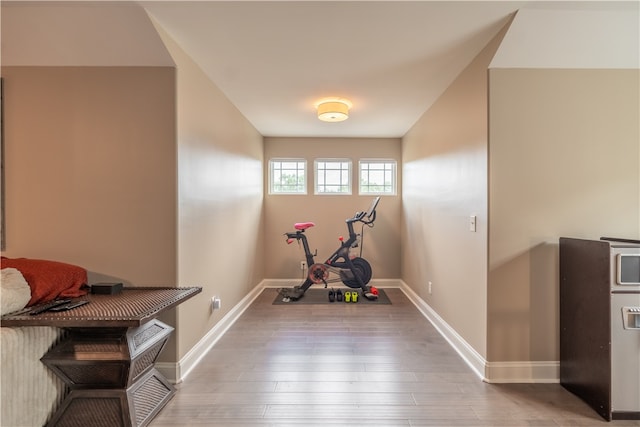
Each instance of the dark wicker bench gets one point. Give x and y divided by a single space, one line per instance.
107 358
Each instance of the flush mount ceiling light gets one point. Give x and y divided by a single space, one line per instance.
333 109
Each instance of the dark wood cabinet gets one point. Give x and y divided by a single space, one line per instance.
599 325
585 328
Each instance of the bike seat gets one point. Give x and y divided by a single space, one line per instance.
303 225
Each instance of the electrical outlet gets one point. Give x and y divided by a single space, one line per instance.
430 284
303 265
215 303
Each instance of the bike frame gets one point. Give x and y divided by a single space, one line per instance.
339 261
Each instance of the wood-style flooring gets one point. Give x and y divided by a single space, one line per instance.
354 365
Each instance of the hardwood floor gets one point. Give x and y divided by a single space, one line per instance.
354 365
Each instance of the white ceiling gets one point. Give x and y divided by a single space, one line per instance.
274 60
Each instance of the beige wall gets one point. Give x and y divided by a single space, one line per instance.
445 182
220 230
564 148
90 169
381 243
59 33
572 34
93 172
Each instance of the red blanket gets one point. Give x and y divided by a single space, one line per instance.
49 280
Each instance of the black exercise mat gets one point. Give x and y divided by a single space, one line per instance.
321 296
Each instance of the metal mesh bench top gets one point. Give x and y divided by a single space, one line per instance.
132 307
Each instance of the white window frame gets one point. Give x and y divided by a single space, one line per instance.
320 181
272 173
393 171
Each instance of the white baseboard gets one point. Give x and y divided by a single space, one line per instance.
522 372
281 283
475 361
177 372
169 370
288 283
491 372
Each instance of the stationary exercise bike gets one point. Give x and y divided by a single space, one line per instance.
352 270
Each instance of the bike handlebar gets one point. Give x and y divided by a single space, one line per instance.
359 216
370 214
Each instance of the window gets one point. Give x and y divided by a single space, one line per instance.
377 176
333 176
288 176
